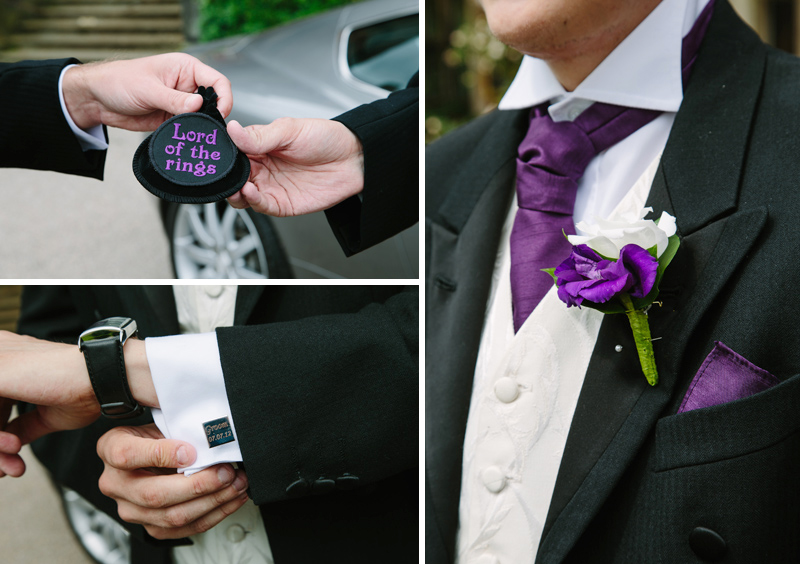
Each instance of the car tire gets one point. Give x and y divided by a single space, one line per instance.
103 539
217 241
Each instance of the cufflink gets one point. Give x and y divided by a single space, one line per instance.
190 159
218 432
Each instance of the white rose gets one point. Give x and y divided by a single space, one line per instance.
608 237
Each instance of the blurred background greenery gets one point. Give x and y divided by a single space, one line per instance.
468 69
223 18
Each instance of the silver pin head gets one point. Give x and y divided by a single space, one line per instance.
618 348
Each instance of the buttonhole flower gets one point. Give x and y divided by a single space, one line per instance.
616 267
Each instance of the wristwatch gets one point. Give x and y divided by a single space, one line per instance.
101 345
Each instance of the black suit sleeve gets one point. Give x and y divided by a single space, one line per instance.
327 397
35 134
389 132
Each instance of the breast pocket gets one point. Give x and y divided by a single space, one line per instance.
729 430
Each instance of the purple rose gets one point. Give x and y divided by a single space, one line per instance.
585 275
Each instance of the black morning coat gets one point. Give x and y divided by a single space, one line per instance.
636 480
323 387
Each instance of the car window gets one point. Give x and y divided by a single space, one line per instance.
385 54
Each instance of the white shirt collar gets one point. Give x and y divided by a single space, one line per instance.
644 71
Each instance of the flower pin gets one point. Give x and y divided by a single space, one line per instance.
616 268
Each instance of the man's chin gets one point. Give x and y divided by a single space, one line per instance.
530 28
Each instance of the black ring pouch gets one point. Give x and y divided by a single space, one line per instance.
190 159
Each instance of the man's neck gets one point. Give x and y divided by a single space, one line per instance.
572 66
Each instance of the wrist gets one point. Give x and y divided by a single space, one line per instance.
81 104
138 370
73 363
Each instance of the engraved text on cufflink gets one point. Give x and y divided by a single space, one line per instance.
218 432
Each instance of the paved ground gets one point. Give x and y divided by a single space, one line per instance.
63 226
33 528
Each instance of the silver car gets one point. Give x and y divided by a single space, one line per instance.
319 67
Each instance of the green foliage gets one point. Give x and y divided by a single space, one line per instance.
485 67
223 18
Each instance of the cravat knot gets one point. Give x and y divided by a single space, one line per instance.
552 158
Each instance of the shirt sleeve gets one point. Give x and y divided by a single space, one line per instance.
190 386
89 139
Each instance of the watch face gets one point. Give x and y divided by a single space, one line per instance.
112 327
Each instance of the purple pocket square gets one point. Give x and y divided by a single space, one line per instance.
725 376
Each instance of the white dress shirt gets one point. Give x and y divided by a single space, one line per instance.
526 386
89 139
190 387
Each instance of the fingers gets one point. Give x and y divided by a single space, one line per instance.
148 490
11 465
207 76
174 101
199 525
29 427
248 196
176 506
177 76
260 139
124 450
238 201
9 443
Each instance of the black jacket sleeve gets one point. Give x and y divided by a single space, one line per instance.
34 133
328 402
389 132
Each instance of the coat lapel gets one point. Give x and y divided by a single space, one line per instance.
697 182
463 237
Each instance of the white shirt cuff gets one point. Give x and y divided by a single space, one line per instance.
89 139
188 379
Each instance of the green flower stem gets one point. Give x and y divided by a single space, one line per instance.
641 335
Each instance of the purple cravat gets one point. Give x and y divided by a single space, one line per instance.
551 159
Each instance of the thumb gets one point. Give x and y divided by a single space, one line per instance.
174 101
257 139
124 450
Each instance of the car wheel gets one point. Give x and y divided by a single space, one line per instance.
105 540
218 241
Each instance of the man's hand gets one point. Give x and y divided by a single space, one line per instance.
140 94
10 461
298 166
138 475
53 376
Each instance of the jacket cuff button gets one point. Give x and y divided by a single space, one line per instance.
298 488
323 485
347 482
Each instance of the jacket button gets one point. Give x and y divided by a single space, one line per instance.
707 544
323 485
347 482
298 488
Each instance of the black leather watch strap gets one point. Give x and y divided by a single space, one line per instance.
106 366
